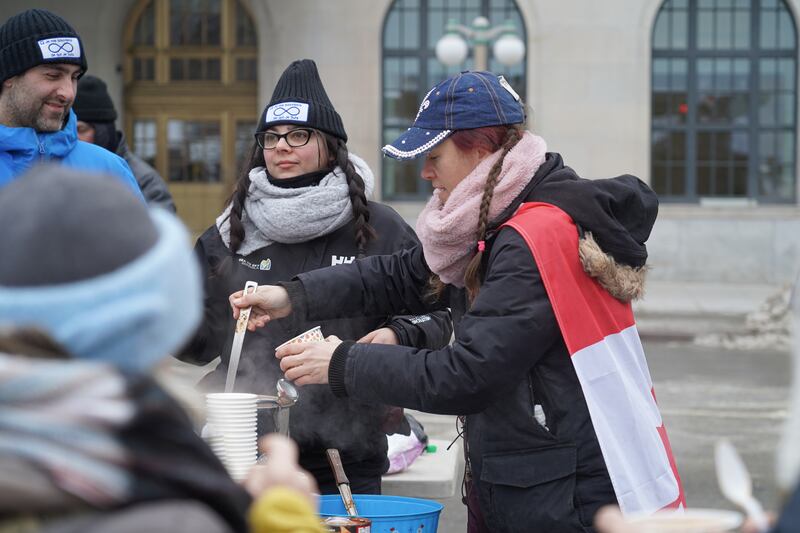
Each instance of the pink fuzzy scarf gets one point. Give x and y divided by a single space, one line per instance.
449 231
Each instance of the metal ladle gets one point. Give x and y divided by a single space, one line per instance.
287 393
287 396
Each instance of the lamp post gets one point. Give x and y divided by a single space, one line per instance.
452 48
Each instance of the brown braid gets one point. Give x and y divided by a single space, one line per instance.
434 289
358 198
239 194
471 275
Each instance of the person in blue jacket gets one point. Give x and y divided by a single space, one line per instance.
41 59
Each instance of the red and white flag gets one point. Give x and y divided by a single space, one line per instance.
604 345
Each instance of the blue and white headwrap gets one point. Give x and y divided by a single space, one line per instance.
132 317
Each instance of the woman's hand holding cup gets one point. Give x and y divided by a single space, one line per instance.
306 363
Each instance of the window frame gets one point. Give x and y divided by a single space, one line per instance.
227 102
162 51
692 128
423 53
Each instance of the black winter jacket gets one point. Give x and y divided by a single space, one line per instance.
319 420
508 355
789 519
153 187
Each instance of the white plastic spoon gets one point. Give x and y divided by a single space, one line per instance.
735 484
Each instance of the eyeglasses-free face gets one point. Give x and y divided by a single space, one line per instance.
302 150
268 140
446 166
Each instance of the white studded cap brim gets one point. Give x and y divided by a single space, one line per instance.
414 142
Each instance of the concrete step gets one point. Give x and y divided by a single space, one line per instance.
676 310
703 298
685 327
436 426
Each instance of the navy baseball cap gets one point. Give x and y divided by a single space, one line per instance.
465 101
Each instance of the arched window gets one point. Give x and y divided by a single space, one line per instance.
724 95
411 30
190 97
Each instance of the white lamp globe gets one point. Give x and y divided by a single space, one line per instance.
451 49
509 49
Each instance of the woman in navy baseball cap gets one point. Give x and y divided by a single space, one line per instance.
539 266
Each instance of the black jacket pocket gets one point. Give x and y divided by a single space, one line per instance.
531 490
529 468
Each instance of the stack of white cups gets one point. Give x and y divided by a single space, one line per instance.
232 428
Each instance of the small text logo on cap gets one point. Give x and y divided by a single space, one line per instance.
57 47
424 105
294 111
507 86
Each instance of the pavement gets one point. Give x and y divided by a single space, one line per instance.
673 310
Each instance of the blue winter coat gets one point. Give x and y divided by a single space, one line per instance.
21 148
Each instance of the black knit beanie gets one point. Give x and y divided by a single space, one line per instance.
105 135
58 225
299 98
93 103
34 37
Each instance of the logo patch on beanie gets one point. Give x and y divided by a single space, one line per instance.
58 47
294 111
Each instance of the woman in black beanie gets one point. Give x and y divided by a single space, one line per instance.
301 204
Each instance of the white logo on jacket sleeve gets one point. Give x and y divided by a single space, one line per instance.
265 264
342 260
293 111
57 47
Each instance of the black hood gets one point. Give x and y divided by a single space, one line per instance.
619 212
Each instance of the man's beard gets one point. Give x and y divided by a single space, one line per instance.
49 122
38 116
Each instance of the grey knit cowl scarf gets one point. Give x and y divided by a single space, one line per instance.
276 214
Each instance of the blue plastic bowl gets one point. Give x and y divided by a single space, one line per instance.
389 514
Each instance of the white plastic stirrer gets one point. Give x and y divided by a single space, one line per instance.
735 484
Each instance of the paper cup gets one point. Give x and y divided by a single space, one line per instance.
240 447
312 335
231 397
238 434
224 420
688 521
239 460
232 426
226 428
239 457
233 405
248 435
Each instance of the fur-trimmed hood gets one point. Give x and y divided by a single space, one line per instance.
615 217
623 282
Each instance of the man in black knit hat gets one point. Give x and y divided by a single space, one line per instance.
96 124
41 59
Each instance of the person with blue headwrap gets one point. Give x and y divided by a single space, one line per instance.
95 292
